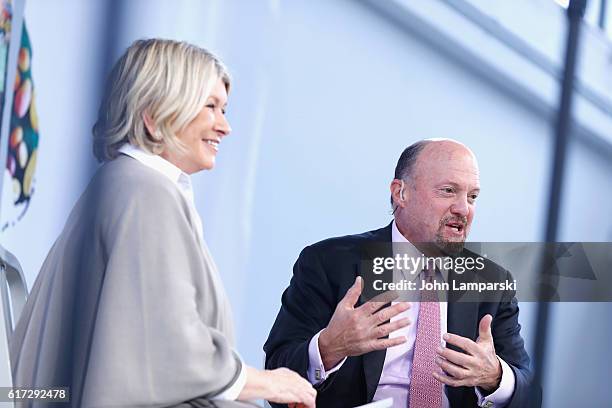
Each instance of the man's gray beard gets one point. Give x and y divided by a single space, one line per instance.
449 247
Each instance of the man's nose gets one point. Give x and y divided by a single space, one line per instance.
460 207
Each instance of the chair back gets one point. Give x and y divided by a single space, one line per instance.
13 295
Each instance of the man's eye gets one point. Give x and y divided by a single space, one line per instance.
448 190
211 106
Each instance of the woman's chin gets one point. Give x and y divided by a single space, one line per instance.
208 164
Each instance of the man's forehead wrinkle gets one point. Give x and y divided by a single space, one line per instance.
449 168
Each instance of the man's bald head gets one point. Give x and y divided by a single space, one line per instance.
404 170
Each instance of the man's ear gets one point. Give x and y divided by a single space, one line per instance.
396 193
149 124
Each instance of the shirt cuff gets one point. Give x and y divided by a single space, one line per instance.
231 393
316 370
501 397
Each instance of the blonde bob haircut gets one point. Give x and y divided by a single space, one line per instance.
168 81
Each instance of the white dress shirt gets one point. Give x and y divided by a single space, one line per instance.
183 182
395 377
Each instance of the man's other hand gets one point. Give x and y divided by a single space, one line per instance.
479 366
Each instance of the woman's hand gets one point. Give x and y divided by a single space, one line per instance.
286 386
281 385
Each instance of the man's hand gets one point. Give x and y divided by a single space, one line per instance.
355 331
479 367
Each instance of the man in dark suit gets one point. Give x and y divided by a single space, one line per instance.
430 353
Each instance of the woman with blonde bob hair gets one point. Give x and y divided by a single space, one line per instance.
129 309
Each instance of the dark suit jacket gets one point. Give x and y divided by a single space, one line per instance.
321 277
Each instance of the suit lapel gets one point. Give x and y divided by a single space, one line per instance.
462 315
374 360
372 369
462 320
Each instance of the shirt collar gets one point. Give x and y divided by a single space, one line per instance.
156 162
402 246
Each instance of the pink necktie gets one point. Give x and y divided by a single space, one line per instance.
425 390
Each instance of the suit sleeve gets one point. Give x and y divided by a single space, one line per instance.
509 345
306 308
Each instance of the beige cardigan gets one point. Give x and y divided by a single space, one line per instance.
128 309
